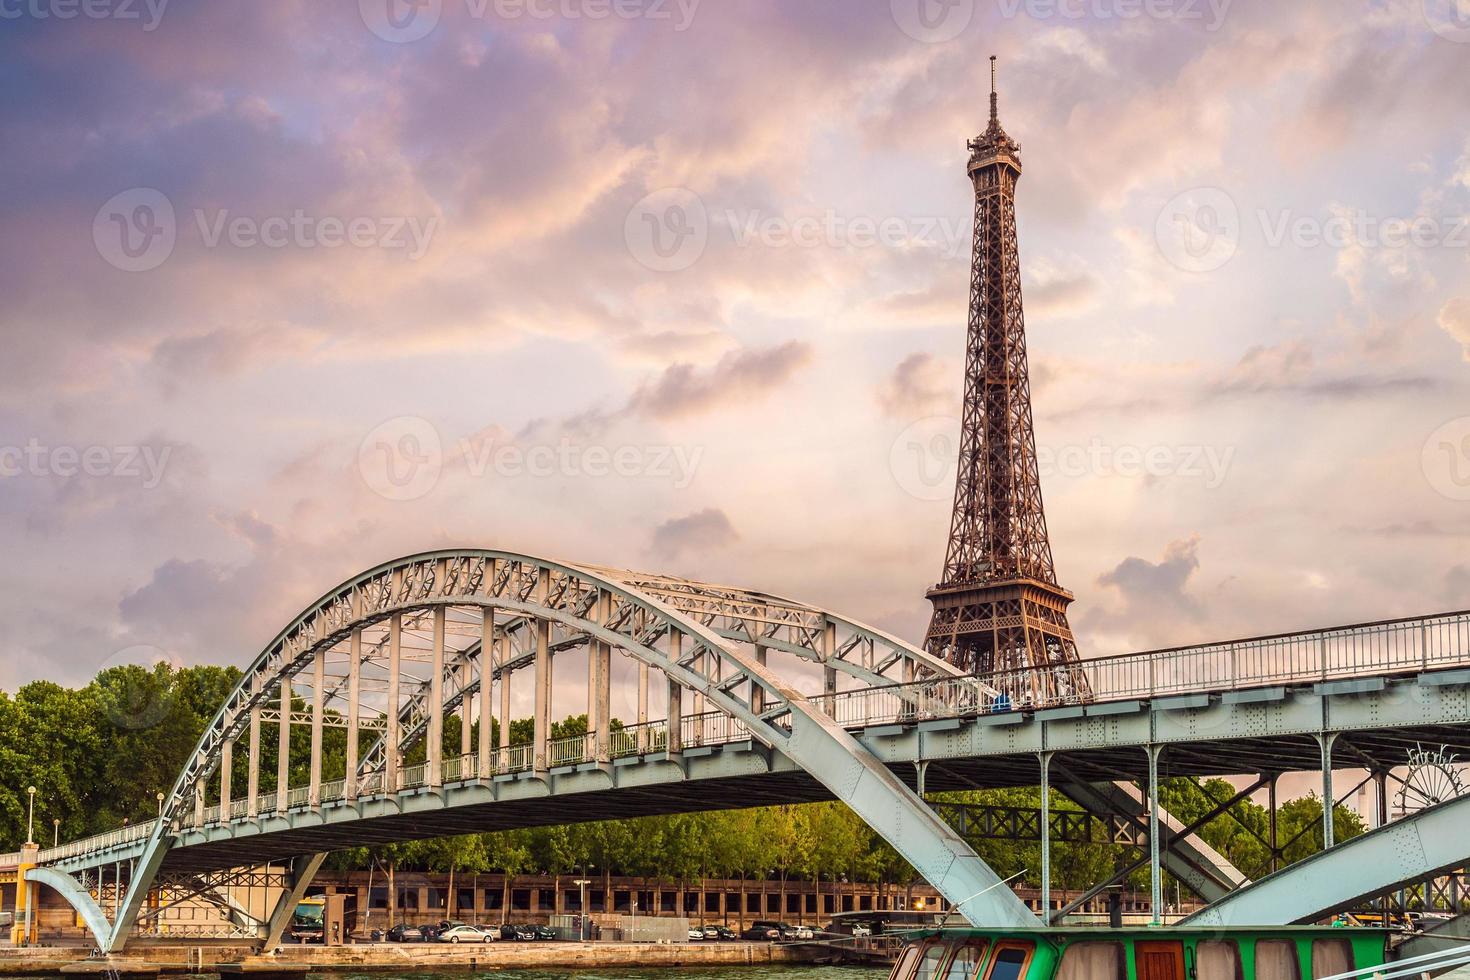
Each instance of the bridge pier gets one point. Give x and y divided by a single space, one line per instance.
24 924
1044 758
1325 741
1156 879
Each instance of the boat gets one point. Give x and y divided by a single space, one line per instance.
1144 953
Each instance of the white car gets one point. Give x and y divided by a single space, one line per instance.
468 934
802 933
696 935
859 930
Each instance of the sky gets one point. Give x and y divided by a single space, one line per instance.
289 289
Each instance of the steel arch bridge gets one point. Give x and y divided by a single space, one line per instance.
397 650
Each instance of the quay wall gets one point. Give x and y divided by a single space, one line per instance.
413 958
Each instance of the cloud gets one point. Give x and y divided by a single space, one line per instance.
703 531
1263 368
1061 292
921 384
1454 319
738 377
1151 602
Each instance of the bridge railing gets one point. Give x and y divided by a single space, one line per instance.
711 728
98 842
10 860
652 736
1370 649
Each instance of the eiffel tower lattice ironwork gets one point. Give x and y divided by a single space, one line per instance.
998 608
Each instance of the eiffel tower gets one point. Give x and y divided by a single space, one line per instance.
998 609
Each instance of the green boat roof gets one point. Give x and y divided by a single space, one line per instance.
1145 932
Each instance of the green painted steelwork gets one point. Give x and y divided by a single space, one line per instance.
1047 947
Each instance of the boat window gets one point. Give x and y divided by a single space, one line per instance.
929 961
905 967
1217 960
1009 962
966 962
1094 961
1331 957
1276 960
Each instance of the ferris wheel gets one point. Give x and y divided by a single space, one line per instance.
1434 776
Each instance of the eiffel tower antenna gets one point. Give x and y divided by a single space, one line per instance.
998 607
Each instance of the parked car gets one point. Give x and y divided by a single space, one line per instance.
784 929
762 933
860 930
545 933
431 933
520 933
727 934
696 935
405 933
466 934
802 933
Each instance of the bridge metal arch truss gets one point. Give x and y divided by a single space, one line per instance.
416 619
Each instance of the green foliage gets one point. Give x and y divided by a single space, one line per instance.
100 755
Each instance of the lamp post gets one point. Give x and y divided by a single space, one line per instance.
55 831
160 804
583 932
31 816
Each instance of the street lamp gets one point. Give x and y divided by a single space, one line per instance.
55 831
160 805
31 817
584 933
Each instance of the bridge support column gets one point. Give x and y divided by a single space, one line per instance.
318 681
829 674
434 756
391 735
601 692
1380 793
466 716
23 926
758 693
354 710
1274 826
1325 742
642 707
1155 867
252 773
283 750
542 669
1045 759
488 651
674 715
226 765
504 701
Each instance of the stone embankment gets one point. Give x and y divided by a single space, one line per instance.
296 961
